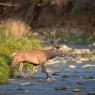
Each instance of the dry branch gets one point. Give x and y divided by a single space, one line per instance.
9 5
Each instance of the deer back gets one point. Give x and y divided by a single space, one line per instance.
34 56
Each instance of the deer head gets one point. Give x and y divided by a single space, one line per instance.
54 43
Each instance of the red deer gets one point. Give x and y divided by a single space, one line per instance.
35 57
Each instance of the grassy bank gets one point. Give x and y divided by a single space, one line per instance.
75 39
14 35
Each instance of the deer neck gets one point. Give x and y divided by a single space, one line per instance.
50 53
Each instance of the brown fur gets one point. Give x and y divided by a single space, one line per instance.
34 56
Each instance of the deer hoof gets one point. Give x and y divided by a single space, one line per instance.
50 79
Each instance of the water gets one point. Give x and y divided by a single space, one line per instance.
66 77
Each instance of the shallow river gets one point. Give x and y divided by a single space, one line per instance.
77 78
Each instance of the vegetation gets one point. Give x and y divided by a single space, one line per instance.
4 71
13 39
71 38
46 12
10 41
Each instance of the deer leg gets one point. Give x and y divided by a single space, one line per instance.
45 70
21 70
33 71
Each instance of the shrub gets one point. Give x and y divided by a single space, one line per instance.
14 35
16 28
4 72
6 59
71 38
12 44
76 7
35 2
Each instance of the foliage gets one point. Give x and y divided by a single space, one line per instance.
4 71
6 59
15 28
71 38
34 2
76 8
11 40
12 44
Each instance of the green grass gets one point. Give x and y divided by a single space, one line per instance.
71 38
10 42
4 72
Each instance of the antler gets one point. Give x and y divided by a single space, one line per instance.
53 39
52 36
